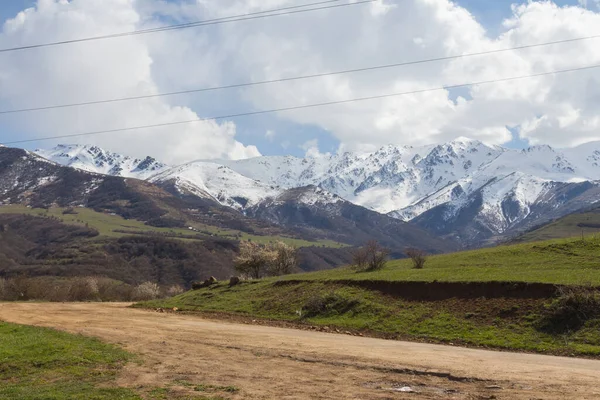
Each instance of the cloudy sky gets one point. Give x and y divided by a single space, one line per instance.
561 110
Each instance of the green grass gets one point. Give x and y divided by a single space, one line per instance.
108 226
37 363
566 227
564 261
45 364
323 298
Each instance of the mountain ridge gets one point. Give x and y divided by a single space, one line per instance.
432 185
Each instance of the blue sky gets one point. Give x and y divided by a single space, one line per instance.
489 13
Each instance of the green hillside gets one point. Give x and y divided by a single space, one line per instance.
111 225
574 225
504 297
564 262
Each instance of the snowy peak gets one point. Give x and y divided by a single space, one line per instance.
218 182
492 187
308 195
97 160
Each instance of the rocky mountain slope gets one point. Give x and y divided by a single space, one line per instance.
201 193
463 189
313 210
95 159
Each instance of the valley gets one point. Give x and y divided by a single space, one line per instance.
297 199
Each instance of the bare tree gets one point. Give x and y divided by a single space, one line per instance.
418 257
254 260
371 257
359 258
285 261
174 290
146 291
377 255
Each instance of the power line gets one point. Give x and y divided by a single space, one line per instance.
251 113
288 79
235 18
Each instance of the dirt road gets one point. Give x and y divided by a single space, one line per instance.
276 363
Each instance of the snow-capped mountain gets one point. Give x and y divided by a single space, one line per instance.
497 188
216 182
463 187
97 160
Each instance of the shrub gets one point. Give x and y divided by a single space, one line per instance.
111 290
359 258
256 261
3 287
285 261
571 310
327 305
174 290
64 289
146 291
418 257
83 289
18 289
253 260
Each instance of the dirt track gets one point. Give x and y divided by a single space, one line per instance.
276 363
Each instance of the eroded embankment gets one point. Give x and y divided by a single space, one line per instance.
438 291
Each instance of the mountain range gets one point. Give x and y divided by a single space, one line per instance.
464 190
205 197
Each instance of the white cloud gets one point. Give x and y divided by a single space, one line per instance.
420 29
99 70
561 110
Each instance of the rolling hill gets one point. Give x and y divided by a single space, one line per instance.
541 297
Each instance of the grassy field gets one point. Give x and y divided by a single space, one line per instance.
517 322
573 225
38 363
109 226
45 364
564 261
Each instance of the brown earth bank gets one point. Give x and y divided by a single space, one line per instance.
275 363
436 291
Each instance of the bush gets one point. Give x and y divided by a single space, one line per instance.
3 287
285 261
359 258
571 310
418 257
174 290
18 289
83 289
327 305
64 289
256 261
111 290
146 291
